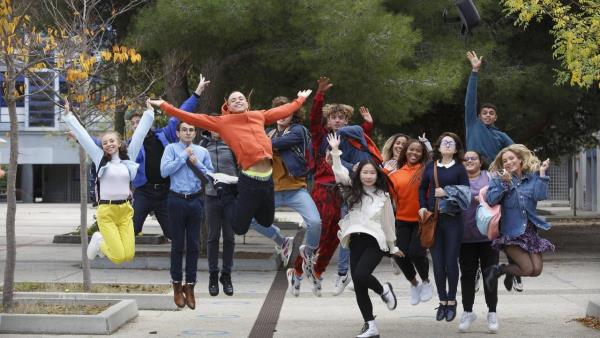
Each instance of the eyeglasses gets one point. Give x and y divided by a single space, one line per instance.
471 158
448 144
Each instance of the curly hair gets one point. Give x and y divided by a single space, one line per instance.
354 193
388 147
335 108
529 162
458 155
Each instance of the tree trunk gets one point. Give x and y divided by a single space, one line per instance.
83 197
11 198
211 97
119 120
175 67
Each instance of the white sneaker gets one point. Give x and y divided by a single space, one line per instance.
93 248
369 330
316 290
492 320
415 294
395 267
340 283
223 178
466 320
285 251
293 282
426 291
388 296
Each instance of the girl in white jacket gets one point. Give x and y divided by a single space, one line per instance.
368 230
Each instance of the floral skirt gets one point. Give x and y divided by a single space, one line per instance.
529 241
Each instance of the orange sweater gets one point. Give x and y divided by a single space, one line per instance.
406 192
244 133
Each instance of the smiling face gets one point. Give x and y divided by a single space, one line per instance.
398 145
512 163
237 103
447 146
472 162
414 153
488 116
111 143
368 175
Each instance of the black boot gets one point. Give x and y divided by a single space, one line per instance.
226 281
491 275
213 284
508 282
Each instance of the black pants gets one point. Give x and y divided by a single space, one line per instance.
444 253
151 198
255 199
215 216
472 255
365 255
407 240
186 220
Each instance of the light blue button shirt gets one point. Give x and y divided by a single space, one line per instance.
173 165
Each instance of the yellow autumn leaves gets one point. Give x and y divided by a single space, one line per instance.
121 54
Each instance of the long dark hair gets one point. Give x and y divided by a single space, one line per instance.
354 193
458 155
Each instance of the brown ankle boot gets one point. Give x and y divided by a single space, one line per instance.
190 300
178 295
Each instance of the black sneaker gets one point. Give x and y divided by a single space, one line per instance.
450 312
213 284
441 312
226 281
508 282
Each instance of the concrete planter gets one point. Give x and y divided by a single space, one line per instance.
161 302
106 322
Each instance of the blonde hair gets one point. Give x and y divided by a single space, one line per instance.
529 162
335 108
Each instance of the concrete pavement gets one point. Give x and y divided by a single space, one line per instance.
546 308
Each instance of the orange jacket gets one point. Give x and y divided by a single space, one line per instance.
244 133
406 192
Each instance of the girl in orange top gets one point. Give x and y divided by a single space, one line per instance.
243 131
405 175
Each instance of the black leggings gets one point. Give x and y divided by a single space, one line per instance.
365 255
407 240
255 199
471 256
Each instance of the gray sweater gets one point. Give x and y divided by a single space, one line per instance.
222 159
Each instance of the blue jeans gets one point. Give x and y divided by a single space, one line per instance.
301 201
185 216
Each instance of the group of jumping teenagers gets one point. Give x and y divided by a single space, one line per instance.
368 201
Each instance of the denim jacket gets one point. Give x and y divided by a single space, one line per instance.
292 146
518 202
96 153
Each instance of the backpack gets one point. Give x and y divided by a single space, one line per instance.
487 217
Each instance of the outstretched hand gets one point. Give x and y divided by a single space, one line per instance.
67 109
324 84
544 167
334 141
202 84
155 103
366 115
475 61
304 93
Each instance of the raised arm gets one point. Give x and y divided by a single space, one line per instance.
471 96
283 111
540 189
140 132
82 136
367 125
341 173
317 131
211 123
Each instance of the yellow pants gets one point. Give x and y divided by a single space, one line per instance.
116 226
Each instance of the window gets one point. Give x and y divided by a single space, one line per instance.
20 89
42 95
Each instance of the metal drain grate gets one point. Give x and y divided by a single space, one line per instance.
265 323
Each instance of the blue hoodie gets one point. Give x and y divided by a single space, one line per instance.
487 140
